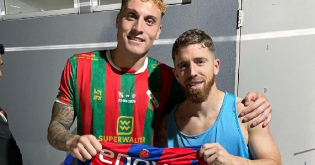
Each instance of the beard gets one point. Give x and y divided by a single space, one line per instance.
199 95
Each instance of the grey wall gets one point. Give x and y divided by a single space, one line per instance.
31 78
277 59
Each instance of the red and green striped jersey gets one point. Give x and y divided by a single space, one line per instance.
114 105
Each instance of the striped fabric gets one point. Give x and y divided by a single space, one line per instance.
116 104
138 154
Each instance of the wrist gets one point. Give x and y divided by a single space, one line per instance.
72 140
240 161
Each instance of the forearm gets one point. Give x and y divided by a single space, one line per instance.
58 136
244 161
58 131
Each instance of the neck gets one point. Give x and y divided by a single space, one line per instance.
125 60
210 106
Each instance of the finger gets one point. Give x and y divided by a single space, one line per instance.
90 149
83 151
202 149
211 159
246 111
255 96
267 121
97 145
210 151
81 158
255 109
86 142
251 96
262 118
76 154
252 106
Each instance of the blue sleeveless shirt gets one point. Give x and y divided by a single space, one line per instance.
226 131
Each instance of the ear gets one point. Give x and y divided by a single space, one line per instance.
216 66
117 20
159 32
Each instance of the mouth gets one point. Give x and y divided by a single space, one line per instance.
195 85
136 39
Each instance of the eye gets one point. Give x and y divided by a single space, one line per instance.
182 66
200 62
150 21
131 16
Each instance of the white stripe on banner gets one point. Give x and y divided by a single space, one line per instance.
245 37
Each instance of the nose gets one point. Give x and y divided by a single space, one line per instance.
138 25
193 70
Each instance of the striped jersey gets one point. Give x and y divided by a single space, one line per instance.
116 104
132 154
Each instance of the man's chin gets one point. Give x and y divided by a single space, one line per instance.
197 100
195 97
137 51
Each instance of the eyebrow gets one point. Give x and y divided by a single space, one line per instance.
151 17
181 62
201 58
128 10
185 61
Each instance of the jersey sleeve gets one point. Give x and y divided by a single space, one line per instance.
66 94
176 96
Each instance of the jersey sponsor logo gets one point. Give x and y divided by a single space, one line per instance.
125 125
121 95
126 98
86 56
97 94
122 139
109 157
144 154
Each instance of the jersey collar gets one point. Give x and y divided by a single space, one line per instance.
141 70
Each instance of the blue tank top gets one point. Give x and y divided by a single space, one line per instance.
226 130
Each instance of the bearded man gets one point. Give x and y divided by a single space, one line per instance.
209 117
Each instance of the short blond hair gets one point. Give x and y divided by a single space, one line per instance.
161 5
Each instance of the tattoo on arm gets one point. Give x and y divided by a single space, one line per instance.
58 131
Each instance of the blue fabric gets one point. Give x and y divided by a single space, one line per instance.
226 130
